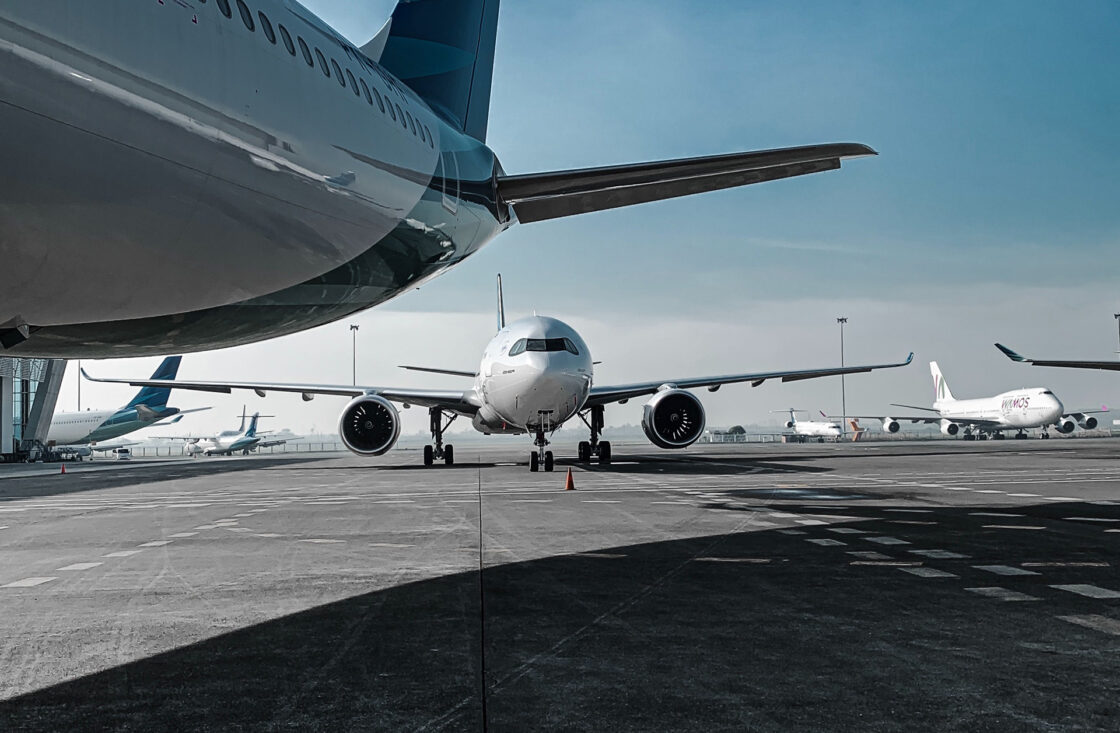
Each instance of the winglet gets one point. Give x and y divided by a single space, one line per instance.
909 359
1011 354
501 305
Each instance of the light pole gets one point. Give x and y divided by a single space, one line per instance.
354 352
79 385
843 394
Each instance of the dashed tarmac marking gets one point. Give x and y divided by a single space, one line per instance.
791 531
1089 591
600 501
828 542
1090 519
181 535
886 540
939 554
847 530
123 553
924 572
1005 570
388 544
267 534
1012 526
1060 498
207 526
1002 594
992 514
29 582
156 543
910 511
867 555
81 566
750 560
323 542
1026 496
1096 622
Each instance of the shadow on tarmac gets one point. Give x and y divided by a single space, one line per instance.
748 630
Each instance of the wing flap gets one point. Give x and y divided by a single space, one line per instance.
540 196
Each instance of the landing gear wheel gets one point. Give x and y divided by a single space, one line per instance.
534 462
1045 436
584 452
548 460
429 455
449 455
820 440
604 453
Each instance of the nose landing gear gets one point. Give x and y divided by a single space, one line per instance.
446 453
593 419
541 456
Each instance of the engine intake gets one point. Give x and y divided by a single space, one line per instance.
674 418
369 425
1065 426
1088 422
890 425
950 428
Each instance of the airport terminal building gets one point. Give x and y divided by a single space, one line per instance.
28 394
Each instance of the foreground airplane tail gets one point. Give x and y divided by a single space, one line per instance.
252 431
157 396
444 51
941 391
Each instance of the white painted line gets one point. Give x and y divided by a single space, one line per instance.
750 560
678 503
267 534
1065 564
809 522
867 555
992 514
1060 498
1012 526
185 506
988 491
180 535
28 582
207 526
399 501
1098 623
600 501
1090 591
388 544
924 572
242 516
81 566
939 554
1026 496
123 553
886 540
956 488
530 501
234 529
784 515
910 521
846 530
9 510
156 543
828 543
1002 594
791 531
1004 570
1089 519
323 542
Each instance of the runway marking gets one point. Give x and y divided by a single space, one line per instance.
323 542
123 553
388 544
29 582
993 514
784 515
675 503
181 535
1095 622
924 572
1090 519
600 501
749 560
828 542
156 543
987 491
1002 594
886 540
791 531
13 509
956 488
910 521
1005 570
237 529
207 526
267 534
1089 591
530 501
910 511
242 516
182 506
400 501
600 555
939 554
809 522
1012 526
1065 564
847 530
225 522
80 566
1026 496
867 555
1060 498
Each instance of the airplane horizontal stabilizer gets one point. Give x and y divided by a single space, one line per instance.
540 196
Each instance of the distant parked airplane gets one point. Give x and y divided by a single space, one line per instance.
535 375
814 429
243 440
1017 410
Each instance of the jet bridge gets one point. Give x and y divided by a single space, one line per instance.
28 395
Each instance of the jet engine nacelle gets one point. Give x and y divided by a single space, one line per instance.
789 424
1065 425
369 425
890 425
1088 422
949 427
674 418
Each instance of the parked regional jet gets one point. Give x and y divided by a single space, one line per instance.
176 146
1109 366
1017 410
809 429
243 440
82 433
535 375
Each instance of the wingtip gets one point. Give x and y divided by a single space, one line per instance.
910 358
1009 353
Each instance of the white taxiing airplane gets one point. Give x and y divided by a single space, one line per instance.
818 430
535 375
1018 410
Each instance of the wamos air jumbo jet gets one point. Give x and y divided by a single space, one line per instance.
248 172
81 433
1018 410
535 375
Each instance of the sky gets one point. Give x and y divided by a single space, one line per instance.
989 214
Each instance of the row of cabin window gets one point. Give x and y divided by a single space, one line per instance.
386 105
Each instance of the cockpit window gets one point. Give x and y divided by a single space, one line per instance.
1046 391
557 344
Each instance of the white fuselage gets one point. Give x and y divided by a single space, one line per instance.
538 388
75 428
816 429
1034 407
228 442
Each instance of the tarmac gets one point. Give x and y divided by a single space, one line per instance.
858 586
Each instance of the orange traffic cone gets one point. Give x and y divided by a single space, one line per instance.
63 471
569 484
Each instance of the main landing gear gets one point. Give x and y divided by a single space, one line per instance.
541 456
1021 435
593 419
446 453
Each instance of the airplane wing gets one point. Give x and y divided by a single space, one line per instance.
462 402
433 370
114 446
269 443
1112 366
621 393
925 419
540 196
1079 414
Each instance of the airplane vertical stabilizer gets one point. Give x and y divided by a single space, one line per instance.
941 391
252 431
157 396
444 51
